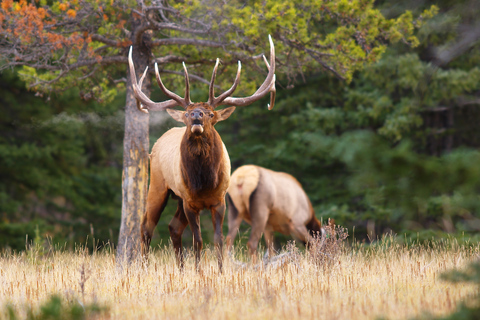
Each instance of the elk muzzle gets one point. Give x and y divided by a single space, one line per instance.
196 118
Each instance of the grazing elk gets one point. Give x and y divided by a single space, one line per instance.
191 163
269 201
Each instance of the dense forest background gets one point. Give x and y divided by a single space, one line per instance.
396 150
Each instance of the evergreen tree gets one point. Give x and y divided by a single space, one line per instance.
59 166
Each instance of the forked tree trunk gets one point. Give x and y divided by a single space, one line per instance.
135 166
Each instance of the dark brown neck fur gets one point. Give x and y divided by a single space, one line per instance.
202 161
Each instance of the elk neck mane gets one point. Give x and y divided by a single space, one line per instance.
201 161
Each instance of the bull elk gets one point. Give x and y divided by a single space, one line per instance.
191 163
269 201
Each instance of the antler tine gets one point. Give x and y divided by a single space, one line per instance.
266 61
168 93
211 89
187 87
273 90
267 86
143 102
140 83
217 101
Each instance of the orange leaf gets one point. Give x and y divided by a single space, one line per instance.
41 13
7 4
72 13
121 23
125 43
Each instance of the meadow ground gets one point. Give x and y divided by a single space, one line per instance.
387 280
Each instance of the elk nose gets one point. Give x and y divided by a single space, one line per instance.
196 114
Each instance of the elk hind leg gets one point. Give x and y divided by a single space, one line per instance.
176 227
157 199
234 221
193 218
259 213
260 203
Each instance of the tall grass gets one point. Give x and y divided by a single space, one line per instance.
356 282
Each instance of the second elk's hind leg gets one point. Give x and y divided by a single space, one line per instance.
234 221
176 227
157 199
259 212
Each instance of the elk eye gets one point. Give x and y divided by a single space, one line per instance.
200 114
192 114
211 115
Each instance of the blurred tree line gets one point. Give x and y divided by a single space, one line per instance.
394 150
60 166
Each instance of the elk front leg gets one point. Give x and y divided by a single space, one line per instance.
176 227
301 233
218 213
193 217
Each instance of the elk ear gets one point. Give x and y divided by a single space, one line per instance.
177 115
224 113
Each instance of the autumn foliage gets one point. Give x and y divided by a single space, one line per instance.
66 39
59 43
31 25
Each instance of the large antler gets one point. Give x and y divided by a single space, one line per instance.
267 86
144 103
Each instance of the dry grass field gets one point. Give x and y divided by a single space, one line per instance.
387 280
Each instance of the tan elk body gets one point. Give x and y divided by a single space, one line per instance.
166 161
269 201
191 164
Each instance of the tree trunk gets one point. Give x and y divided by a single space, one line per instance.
135 165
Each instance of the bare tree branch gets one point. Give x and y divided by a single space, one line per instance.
177 13
316 55
110 42
71 67
38 82
191 76
155 25
172 58
103 61
468 39
327 67
187 41
174 26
